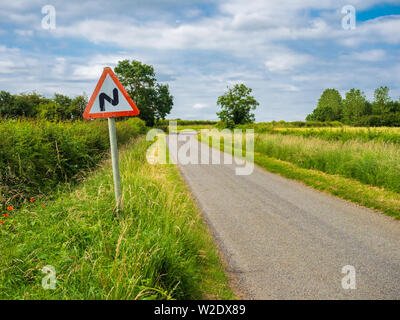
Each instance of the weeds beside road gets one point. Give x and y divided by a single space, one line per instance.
160 249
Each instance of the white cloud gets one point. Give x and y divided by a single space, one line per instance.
379 30
367 56
286 61
200 106
24 33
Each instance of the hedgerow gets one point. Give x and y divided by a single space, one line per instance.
36 155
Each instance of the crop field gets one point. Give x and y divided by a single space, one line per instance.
381 134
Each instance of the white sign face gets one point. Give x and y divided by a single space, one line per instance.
110 99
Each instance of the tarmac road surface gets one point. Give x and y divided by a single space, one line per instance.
283 240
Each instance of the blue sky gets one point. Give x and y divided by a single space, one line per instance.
288 51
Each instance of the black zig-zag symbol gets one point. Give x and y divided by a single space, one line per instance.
113 101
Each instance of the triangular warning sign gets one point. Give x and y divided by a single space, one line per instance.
110 99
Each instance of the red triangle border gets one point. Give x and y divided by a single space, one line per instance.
86 114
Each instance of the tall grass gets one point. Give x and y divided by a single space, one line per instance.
344 134
264 127
35 156
374 163
159 249
380 199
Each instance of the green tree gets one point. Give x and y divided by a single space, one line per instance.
20 105
63 101
7 102
164 101
78 105
52 111
72 109
355 106
382 103
329 107
236 106
153 100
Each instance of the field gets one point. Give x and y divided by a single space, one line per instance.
342 134
159 248
338 160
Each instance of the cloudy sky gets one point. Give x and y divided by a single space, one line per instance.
288 51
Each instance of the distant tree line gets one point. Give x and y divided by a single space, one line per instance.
356 110
152 98
34 105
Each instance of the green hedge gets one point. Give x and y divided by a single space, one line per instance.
264 127
187 122
37 155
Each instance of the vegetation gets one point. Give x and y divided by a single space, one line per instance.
343 134
236 106
37 155
379 199
153 99
159 249
187 122
373 163
357 164
329 106
34 105
263 127
356 110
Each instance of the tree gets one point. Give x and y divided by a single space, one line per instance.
236 105
7 102
71 109
164 101
354 106
153 100
78 105
19 105
51 111
63 101
381 105
329 107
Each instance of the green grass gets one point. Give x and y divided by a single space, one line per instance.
379 199
373 163
159 249
37 155
194 127
263 127
323 166
343 134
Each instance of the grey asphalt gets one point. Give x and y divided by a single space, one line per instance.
283 240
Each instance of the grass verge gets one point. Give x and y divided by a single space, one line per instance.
159 249
379 199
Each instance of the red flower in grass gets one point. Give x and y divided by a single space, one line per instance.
1 222
5 215
32 200
10 208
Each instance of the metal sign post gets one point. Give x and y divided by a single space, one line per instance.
115 162
110 100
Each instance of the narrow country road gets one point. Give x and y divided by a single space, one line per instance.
283 240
